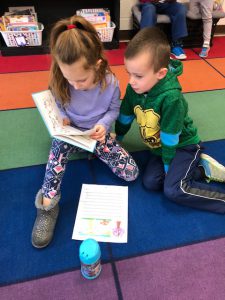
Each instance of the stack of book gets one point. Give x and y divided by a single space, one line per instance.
19 27
23 18
99 17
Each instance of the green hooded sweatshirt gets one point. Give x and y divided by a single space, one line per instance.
162 116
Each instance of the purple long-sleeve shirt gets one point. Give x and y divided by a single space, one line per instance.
94 106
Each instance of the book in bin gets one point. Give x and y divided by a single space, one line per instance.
50 113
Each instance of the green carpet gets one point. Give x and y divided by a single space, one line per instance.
30 145
207 111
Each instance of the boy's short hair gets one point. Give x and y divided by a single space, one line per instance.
151 40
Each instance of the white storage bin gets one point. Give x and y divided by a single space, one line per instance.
23 38
106 33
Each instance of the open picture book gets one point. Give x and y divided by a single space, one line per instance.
50 113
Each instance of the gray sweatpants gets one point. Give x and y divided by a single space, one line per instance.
205 8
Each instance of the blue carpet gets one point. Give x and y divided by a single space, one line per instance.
154 222
19 260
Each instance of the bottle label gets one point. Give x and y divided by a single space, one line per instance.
91 271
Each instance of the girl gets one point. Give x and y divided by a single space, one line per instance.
88 96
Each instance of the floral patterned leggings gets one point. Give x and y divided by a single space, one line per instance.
111 153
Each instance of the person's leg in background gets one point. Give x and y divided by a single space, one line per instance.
194 9
177 13
206 12
148 15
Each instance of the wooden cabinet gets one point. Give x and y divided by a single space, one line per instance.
50 11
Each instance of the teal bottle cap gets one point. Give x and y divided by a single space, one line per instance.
89 251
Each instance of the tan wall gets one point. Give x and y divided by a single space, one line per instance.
125 13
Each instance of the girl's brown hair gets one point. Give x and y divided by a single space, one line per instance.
68 46
153 41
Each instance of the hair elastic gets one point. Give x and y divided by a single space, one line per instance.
71 26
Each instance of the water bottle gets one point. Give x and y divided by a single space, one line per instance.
90 255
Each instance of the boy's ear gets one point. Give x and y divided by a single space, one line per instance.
162 73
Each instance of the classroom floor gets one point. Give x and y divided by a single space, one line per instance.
173 252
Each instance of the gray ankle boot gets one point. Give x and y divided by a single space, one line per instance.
44 225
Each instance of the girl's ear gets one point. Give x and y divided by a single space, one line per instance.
162 73
98 63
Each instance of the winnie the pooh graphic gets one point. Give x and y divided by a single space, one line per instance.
148 122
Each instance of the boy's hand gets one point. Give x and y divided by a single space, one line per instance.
118 138
113 135
99 133
66 121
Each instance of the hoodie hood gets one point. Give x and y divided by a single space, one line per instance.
169 82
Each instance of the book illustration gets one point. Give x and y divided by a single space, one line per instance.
26 27
51 115
23 10
2 24
118 231
57 121
21 40
92 227
19 20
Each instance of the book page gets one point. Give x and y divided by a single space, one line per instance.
102 213
69 130
50 113
77 140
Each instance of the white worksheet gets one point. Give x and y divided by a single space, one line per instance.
102 213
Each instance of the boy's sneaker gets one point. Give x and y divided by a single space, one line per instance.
214 171
204 52
178 52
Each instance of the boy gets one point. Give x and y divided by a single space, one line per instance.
177 14
205 8
154 98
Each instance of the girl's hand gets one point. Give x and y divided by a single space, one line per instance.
66 121
99 133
